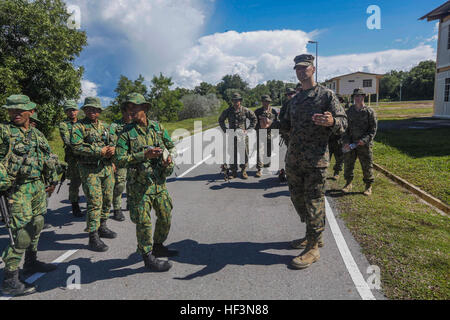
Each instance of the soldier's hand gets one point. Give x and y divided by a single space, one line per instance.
50 190
324 120
347 147
153 153
360 143
167 162
104 152
114 168
111 151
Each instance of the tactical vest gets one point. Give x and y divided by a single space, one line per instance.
101 137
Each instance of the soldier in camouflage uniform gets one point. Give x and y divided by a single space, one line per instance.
311 117
290 93
146 149
362 127
93 141
335 147
25 156
267 119
237 116
120 175
73 173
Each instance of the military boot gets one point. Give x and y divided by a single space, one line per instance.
12 286
282 176
303 242
95 243
118 215
258 173
244 174
348 187
368 190
76 211
154 264
32 264
310 255
159 250
104 232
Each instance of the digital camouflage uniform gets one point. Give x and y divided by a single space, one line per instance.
271 114
73 172
307 157
238 120
97 174
120 176
25 155
362 125
146 181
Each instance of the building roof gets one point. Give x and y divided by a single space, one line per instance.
438 13
349 74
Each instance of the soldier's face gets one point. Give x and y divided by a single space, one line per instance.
127 118
265 104
137 112
92 113
359 99
72 113
236 103
20 117
304 72
289 96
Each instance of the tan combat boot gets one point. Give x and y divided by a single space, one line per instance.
348 187
303 242
233 174
244 174
310 255
368 190
258 173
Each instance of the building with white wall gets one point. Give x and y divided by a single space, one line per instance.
442 83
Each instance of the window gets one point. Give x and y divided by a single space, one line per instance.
367 83
351 80
447 90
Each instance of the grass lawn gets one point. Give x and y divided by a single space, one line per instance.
422 157
407 239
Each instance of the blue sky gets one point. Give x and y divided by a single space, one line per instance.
203 40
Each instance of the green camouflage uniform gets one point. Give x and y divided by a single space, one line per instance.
238 120
97 174
146 181
307 157
25 155
73 173
271 114
362 125
120 175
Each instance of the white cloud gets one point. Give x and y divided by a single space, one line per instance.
88 89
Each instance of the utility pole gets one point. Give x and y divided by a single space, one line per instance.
317 57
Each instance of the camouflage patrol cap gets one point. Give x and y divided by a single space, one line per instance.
290 91
304 60
19 101
34 117
358 91
236 96
266 97
135 98
70 104
92 102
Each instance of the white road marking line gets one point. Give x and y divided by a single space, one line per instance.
352 267
183 150
193 167
38 275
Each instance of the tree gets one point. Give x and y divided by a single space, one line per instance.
231 82
204 88
37 51
197 106
165 102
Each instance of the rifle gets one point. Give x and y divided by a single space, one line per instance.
5 211
63 178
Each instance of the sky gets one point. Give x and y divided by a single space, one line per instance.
203 40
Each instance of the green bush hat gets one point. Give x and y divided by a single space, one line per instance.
19 101
236 96
70 104
266 97
304 60
135 98
92 102
290 91
34 117
358 91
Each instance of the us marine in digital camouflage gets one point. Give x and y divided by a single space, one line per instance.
146 149
311 117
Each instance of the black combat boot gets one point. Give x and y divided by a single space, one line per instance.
159 250
32 264
12 286
118 215
76 211
95 244
154 264
104 232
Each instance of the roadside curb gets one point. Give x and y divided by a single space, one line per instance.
412 188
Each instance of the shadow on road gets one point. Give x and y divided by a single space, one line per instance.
337 193
262 184
217 256
272 195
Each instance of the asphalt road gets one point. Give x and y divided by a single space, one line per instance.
233 238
